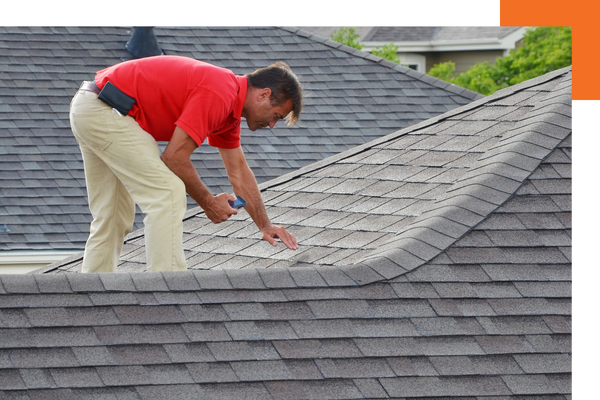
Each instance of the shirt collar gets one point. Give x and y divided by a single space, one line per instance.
239 106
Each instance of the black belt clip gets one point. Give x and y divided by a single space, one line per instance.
115 98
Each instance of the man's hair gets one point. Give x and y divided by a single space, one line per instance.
283 83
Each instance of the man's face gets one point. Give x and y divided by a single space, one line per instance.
264 114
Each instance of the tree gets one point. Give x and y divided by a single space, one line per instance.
388 51
543 49
347 36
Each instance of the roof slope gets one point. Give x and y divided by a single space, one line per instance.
405 197
466 296
351 98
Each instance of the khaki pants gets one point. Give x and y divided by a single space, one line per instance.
122 166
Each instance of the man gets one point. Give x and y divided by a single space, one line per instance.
182 101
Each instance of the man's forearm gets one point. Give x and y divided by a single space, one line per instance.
244 185
194 186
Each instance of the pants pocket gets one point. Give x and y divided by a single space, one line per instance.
92 129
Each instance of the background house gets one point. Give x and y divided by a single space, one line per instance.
351 98
435 262
421 47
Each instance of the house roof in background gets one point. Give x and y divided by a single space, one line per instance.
439 33
351 98
399 34
461 287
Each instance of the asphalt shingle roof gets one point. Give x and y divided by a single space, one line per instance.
351 98
460 289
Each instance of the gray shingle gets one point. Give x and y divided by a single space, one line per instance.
43 358
335 276
148 314
370 388
544 363
528 306
463 386
114 282
19 284
212 372
140 334
52 283
353 368
440 326
91 356
149 281
383 328
36 378
169 374
514 325
139 355
307 277
320 389
105 299
124 375
180 282
14 319
246 279
537 384
390 347
504 344
171 298
11 380
76 377
476 365
276 278
189 353
155 392
550 343
315 348
213 279
234 351
51 394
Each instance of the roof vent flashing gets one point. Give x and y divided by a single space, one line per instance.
143 43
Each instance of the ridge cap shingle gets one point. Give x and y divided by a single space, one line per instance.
465 193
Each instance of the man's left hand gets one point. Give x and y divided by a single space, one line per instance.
275 231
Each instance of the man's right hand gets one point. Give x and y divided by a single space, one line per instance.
218 208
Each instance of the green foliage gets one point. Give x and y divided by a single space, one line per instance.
347 36
388 52
543 49
443 70
480 78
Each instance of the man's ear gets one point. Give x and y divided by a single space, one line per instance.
264 94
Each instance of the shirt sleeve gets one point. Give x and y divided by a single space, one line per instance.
204 112
226 140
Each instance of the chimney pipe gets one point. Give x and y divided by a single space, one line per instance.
143 43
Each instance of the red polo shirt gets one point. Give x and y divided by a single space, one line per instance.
202 99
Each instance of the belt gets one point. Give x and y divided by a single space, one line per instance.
90 87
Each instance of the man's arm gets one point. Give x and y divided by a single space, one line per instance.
177 158
244 185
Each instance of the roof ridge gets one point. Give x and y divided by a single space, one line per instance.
467 202
420 76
